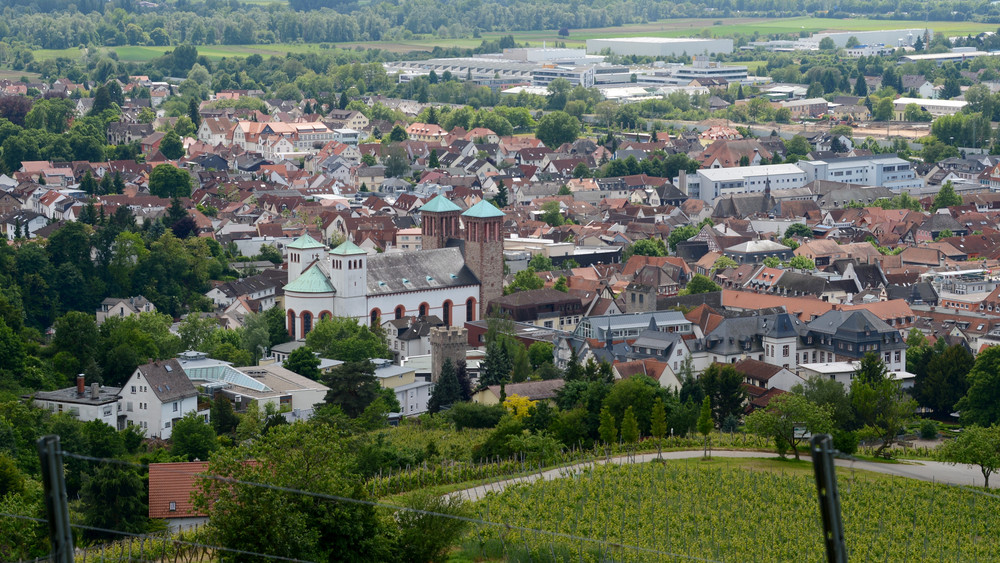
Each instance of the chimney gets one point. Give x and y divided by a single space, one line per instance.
81 387
95 390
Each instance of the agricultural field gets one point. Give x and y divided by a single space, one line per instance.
683 27
732 510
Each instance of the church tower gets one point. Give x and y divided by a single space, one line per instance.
301 252
438 223
484 250
349 275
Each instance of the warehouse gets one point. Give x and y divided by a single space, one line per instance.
660 46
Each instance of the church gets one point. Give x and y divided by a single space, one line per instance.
458 272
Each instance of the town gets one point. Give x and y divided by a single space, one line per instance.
404 279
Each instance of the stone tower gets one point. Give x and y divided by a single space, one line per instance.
447 343
484 250
438 223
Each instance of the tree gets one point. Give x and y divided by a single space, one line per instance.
167 181
861 87
524 280
798 230
397 164
701 284
648 247
541 263
680 235
113 498
193 114
311 456
943 381
172 146
552 214
788 418
556 128
981 403
607 430
705 425
976 445
630 427
562 284
352 386
883 110
224 420
447 390
425 536
501 198
946 197
342 338
432 160
881 407
398 134
828 394
723 386
723 262
304 362
192 438
802 263
658 422
496 366
827 44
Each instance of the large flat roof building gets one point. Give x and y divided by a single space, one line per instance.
660 46
886 170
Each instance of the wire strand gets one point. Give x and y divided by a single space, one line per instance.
378 504
159 538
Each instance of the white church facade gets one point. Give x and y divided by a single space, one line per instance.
443 279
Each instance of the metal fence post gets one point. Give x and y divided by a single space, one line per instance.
56 502
822 450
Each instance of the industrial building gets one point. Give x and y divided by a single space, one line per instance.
660 46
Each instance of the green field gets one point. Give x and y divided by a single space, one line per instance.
664 28
734 510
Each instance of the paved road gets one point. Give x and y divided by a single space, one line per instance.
923 470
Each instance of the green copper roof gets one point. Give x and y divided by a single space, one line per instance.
439 204
303 242
483 210
347 249
311 281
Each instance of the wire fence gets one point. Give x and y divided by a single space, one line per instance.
633 508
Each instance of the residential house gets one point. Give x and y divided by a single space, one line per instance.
156 396
96 402
123 307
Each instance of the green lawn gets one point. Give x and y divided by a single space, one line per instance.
682 27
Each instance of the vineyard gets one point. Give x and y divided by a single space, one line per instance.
733 511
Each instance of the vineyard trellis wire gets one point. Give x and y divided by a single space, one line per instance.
508 536
478 524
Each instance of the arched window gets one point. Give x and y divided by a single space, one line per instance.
374 317
400 311
325 315
422 311
291 323
307 323
446 313
470 309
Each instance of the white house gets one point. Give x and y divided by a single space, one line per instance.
156 396
123 307
85 404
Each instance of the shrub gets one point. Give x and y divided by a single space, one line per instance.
845 442
475 415
928 430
